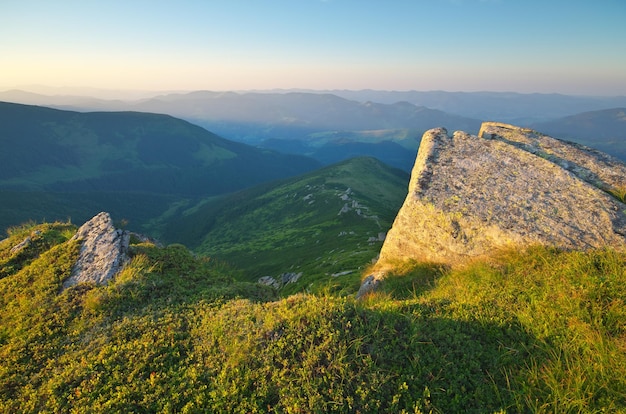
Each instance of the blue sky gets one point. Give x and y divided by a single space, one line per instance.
573 46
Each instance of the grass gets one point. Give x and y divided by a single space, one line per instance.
35 239
573 306
527 331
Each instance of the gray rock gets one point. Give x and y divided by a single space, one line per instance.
595 167
21 245
269 281
381 237
508 187
290 277
370 284
103 252
283 279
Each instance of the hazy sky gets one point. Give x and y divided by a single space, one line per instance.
565 46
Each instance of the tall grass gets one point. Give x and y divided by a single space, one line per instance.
572 303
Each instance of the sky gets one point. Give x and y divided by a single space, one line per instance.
548 46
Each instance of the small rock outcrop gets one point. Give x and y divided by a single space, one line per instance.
21 245
283 280
472 195
103 252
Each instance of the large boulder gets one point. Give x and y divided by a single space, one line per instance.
103 252
508 187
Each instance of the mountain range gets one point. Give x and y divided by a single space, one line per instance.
322 126
498 106
332 126
140 166
511 107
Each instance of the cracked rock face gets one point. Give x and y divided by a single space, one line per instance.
508 187
103 251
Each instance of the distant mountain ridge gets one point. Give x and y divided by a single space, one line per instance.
318 123
384 124
485 105
316 111
312 110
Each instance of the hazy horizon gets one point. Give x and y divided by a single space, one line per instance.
565 47
137 94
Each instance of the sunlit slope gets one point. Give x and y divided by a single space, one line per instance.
528 331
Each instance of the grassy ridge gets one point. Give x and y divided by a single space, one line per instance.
300 225
531 331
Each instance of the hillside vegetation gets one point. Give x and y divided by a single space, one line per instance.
186 328
326 225
528 331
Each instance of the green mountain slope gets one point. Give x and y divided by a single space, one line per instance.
325 223
43 149
530 331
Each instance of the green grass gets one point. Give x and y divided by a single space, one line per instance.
572 305
619 193
36 240
529 331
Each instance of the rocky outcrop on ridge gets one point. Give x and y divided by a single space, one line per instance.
103 252
283 280
507 187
